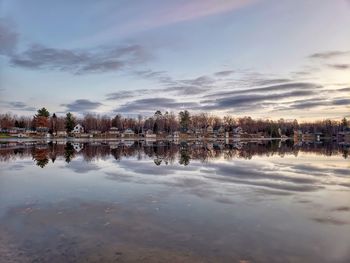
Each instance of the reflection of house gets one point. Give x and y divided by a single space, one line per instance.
78 129
236 133
309 137
77 147
344 136
297 135
150 134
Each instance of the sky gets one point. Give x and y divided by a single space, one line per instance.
260 58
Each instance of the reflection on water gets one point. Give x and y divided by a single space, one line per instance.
163 202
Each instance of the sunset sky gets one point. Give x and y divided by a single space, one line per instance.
259 58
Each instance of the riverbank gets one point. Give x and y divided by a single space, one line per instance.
72 139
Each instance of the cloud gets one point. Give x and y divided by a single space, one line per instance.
224 73
82 105
153 104
19 105
329 54
250 101
330 221
8 38
315 102
339 66
80 61
274 88
124 94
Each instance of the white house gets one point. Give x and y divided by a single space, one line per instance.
128 133
113 130
237 130
78 129
150 134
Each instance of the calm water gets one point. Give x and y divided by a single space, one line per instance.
161 202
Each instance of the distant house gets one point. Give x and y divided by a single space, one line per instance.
21 135
310 137
128 133
114 131
42 130
221 130
176 134
150 134
95 132
237 130
61 133
210 129
78 129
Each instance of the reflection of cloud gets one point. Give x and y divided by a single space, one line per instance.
340 66
342 209
82 167
330 221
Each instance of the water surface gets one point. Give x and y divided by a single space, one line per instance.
165 202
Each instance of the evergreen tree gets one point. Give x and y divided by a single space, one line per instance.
70 122
43 112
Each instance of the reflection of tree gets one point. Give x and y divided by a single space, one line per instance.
68 152
40 155
167 152
184 157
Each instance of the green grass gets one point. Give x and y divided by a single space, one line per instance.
5 135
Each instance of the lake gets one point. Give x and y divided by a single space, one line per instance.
130 201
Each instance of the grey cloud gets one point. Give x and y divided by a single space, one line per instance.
329 54
341 102
224 73
202 80
19 105
339 66
315 102
187 90
247 101
153 104
331 221
302 86
79 61
82 105
120 95
8 38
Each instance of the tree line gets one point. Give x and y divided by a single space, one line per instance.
168 122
